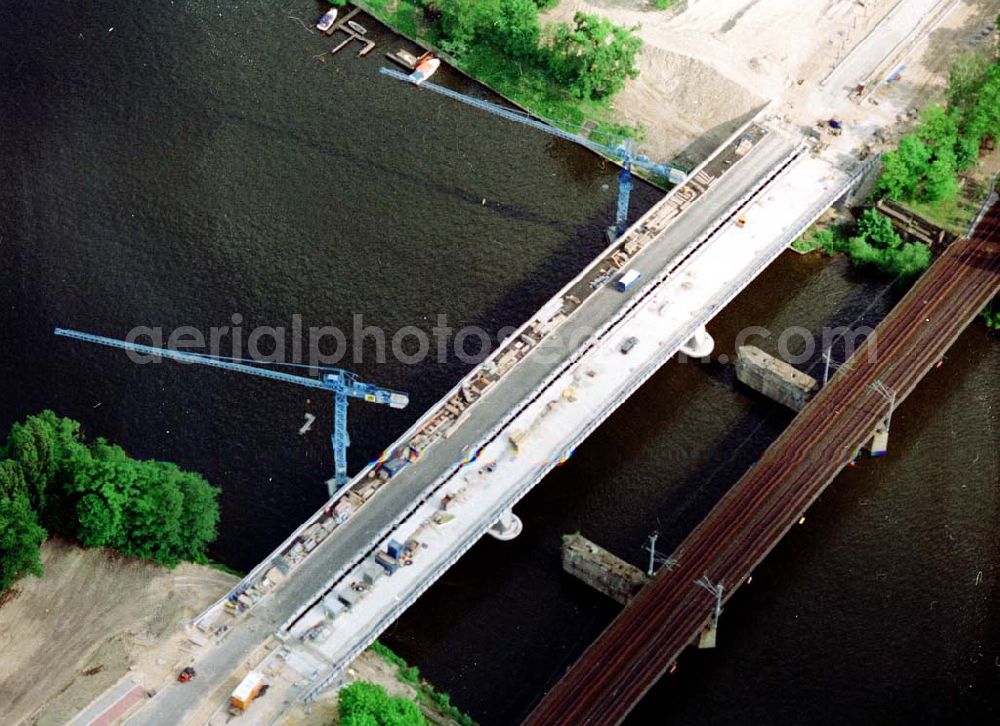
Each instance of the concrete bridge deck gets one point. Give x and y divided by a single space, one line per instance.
396 505
649 635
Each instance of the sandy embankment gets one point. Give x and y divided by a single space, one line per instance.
68 636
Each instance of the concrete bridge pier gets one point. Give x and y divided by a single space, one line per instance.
507 527
880 436
880 439
707 637
698 345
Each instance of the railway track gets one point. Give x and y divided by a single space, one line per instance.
644 641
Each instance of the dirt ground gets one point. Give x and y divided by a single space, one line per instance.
70 635
97 616
707 66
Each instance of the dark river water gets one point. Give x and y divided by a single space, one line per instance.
179 163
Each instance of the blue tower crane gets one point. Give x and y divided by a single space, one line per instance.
344 385
620 149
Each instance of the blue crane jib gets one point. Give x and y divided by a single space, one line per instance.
343 384
620 149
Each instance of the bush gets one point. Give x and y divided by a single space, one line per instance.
387 654
877 229
991 314
411 675
878 245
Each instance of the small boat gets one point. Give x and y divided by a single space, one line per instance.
326 22
357 27
425 69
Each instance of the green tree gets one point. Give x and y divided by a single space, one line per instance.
984 117
460 21
100 496
40 445
904 169
593 57
516 27
509 25
941 180
361 718
966 151
21 536
199 517
98 490
98 525
965 78
146 509
362 697
937 129
11 478
877 229
365 704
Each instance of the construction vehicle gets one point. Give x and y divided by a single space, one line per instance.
244 694
186 675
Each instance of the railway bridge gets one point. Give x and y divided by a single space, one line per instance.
684 600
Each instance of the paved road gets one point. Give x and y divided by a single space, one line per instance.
353 541
893 30
668 614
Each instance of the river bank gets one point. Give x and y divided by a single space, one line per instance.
523 82
677 108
